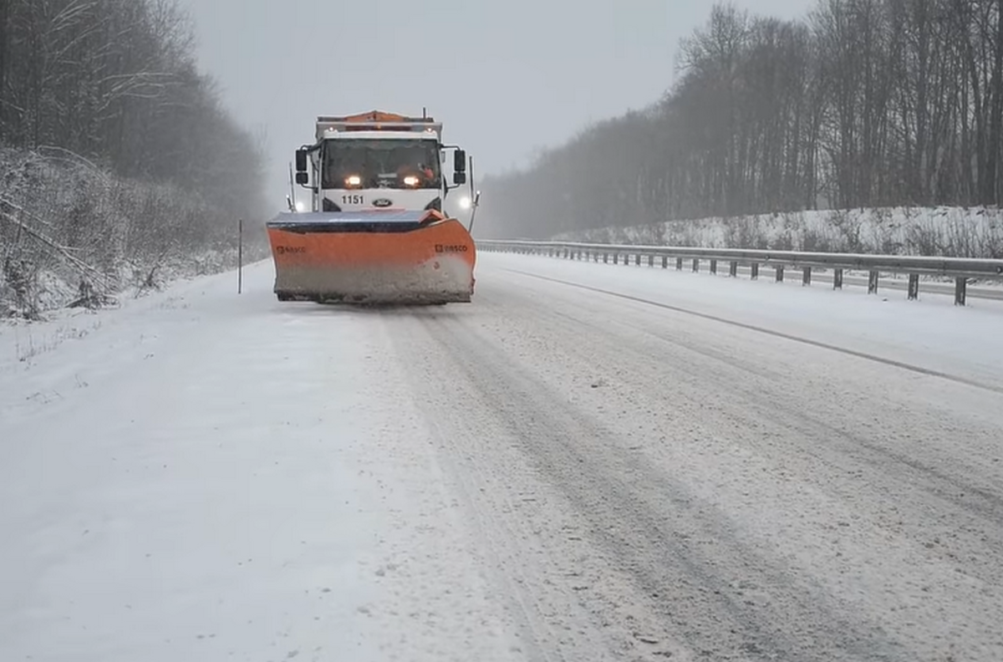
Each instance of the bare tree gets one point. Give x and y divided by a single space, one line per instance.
113 147
863 103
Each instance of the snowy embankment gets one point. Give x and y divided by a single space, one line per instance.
72 234
946 231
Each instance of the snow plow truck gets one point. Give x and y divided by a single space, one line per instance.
374 230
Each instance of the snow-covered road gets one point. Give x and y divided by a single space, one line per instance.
588 463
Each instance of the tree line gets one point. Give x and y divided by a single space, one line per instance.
114 144
863 103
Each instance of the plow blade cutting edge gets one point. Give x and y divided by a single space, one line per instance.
372 257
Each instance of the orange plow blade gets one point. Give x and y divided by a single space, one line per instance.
372 257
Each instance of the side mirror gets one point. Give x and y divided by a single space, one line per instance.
300 162
459 178
302 178
460 161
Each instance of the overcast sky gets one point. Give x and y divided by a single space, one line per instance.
505 76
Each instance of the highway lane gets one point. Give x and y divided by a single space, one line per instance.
658 485
587 463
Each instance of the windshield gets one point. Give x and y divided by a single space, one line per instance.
381 164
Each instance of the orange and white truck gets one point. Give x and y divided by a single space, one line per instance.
374 230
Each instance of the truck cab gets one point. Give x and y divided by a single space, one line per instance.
377 161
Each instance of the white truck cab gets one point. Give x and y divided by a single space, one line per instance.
377 161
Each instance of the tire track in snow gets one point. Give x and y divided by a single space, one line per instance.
922 567
871 538
979 500
691 577
850 430
505 506
930 475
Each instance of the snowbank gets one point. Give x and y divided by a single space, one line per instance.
947 231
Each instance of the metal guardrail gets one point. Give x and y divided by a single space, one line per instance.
960 269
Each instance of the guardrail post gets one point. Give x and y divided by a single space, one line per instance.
960 291
780 273
733 269
679 264
616 258
755 271
713 266
626 259
913 286
665 262
637 259
806 278
651 260
837 279
872 282
696 265
605 258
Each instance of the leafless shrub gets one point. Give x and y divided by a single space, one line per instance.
71 235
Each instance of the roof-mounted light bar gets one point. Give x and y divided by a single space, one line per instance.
376 121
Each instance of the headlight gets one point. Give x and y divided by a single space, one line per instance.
464 202
353 180
410 180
